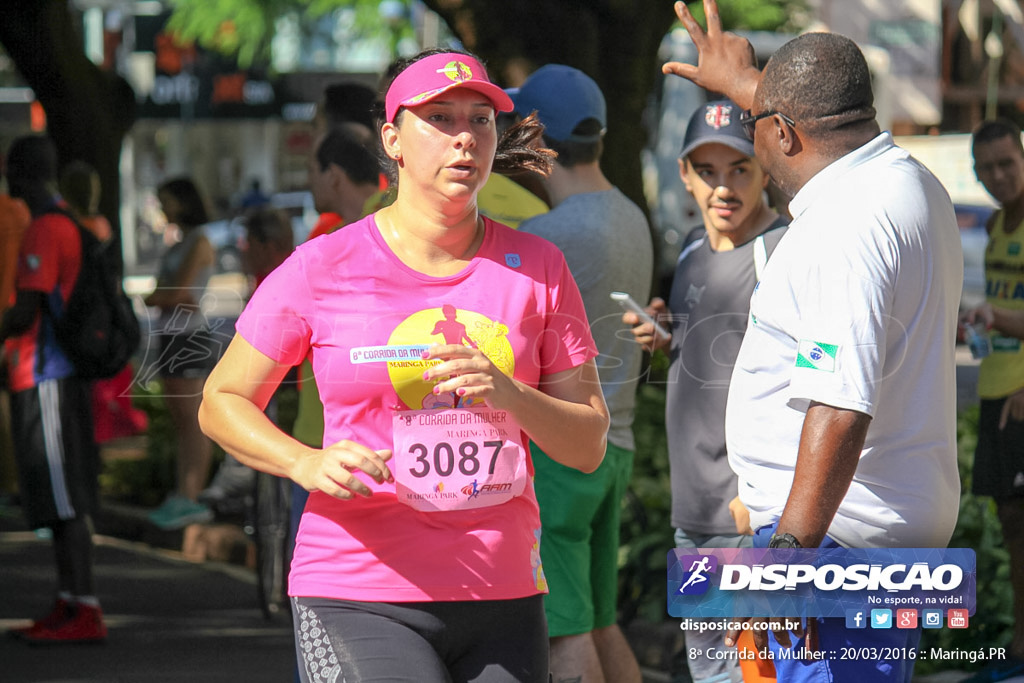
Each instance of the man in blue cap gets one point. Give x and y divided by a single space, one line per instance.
607 245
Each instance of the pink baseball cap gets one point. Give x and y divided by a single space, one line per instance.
431 76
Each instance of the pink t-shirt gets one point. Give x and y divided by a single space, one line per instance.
361 314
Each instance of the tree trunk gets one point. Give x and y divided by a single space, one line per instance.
88 111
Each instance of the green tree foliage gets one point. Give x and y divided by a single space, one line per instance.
977 527
236 27
614 41
245 28
784 16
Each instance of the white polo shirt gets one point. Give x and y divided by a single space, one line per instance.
857 309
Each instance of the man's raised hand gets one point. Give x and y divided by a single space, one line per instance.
726 62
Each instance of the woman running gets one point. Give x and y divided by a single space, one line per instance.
418 552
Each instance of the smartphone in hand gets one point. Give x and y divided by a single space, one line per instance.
628 304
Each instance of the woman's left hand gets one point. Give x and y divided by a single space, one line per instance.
467 373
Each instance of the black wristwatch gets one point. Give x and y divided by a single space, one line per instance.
783 541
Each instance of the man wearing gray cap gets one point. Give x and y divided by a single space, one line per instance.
607 245
708 307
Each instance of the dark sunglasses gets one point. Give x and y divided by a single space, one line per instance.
747 120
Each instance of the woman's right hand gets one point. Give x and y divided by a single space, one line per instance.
331 470
643 333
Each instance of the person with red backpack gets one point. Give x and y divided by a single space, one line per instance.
114 416
51 416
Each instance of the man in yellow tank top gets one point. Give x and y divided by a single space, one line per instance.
999 458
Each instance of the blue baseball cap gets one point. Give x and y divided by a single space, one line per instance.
563 97
717 121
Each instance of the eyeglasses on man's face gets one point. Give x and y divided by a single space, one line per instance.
748 120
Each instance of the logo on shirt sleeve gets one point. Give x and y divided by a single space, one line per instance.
32 261
816 355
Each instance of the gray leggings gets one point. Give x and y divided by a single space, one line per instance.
486 641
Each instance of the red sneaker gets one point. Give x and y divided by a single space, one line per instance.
60 612
83 624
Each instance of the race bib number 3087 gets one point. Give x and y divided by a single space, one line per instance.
457 459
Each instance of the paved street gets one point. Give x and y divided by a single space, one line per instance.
169 620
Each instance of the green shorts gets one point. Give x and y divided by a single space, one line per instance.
579 548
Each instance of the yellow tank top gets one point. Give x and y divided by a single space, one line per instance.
1002 372
506 201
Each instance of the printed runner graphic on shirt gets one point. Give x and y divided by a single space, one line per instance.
816 355
414 335
451 452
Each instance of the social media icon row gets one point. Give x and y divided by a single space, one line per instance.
905 618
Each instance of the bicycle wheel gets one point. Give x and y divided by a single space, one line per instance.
272 504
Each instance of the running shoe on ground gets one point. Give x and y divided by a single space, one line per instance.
178 512
60 612
81 624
